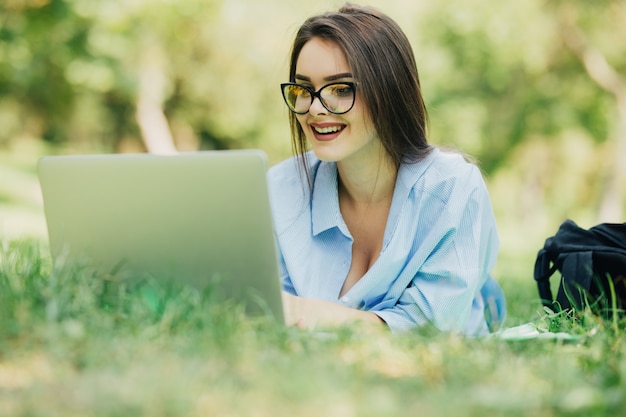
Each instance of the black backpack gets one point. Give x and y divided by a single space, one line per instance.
589 261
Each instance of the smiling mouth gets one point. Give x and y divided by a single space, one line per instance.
327 130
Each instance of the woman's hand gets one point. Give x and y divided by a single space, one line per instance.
309 313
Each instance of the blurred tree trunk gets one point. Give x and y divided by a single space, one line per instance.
152 121
610 80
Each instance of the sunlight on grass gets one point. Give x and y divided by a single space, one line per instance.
71 346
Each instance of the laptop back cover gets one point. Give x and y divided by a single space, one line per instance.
200 218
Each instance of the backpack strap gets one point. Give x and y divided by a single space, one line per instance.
545 267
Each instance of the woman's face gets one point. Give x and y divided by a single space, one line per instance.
334 137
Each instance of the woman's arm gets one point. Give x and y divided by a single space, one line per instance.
309 313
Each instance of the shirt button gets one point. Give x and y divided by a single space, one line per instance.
345 299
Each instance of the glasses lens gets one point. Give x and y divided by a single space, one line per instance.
337 98
297 98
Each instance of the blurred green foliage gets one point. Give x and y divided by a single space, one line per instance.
500 79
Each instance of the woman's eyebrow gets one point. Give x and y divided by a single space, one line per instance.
329 78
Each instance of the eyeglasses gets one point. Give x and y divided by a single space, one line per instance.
337 98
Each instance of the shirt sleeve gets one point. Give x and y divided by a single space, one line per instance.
445 290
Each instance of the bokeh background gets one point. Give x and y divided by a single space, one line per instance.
535 90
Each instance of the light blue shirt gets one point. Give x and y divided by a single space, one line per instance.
439 246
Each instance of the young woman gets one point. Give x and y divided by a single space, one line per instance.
373 224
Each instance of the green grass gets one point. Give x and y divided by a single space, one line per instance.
73 343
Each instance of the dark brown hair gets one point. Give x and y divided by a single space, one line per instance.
382 61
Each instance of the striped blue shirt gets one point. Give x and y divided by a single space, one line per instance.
439 246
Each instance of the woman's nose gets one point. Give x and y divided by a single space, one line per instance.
317 107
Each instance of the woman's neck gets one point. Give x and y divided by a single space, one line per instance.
367 182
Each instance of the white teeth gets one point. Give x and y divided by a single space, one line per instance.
330 129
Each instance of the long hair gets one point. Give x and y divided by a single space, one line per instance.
382 61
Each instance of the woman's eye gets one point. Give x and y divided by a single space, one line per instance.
342 90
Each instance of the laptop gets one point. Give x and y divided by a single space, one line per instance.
199 218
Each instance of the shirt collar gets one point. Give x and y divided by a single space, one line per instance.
325 212
409 174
